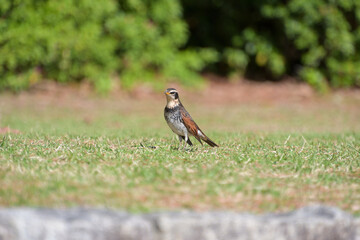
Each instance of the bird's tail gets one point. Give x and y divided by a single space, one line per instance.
210 142
207 140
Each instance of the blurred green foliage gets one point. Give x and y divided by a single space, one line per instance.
71 40
318 41
151 41
62 40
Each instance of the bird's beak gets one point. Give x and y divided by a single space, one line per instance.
167 93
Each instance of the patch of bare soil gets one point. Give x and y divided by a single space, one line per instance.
289 91
8 130
216 92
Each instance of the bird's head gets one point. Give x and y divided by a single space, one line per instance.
172 97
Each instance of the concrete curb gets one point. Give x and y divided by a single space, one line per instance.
315 223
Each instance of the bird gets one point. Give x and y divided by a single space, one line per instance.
180 121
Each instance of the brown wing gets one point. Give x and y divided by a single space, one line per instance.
189 123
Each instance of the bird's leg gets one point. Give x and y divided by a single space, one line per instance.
180 140
186 139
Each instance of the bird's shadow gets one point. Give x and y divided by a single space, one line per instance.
146 146
186 149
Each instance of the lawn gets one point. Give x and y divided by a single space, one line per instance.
69 150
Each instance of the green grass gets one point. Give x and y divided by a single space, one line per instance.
121 154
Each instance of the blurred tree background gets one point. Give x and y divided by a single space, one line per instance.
157 41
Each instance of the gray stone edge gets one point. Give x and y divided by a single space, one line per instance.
313 222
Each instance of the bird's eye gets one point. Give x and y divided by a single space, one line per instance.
172 93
